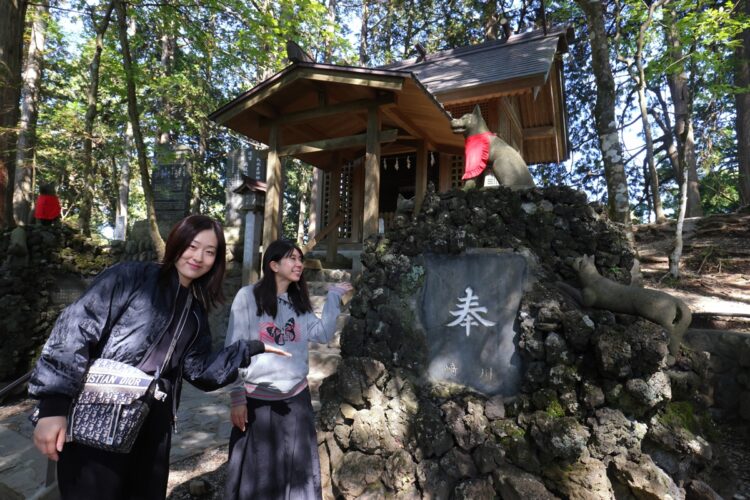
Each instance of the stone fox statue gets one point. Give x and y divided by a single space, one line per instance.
484 148
661 308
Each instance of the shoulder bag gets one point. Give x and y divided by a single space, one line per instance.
115 400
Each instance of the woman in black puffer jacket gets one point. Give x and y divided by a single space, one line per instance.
134 313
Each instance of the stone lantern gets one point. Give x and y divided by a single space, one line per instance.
253 194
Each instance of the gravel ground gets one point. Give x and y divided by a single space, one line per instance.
200 476
733 441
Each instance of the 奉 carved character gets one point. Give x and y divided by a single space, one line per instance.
483 149
663 309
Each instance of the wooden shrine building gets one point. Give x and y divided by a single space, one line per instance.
375 133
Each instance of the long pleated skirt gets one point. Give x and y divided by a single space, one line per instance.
277 455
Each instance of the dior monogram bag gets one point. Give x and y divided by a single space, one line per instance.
115 400
110 409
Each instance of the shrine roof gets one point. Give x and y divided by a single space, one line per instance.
519 57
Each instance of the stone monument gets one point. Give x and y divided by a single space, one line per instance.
469 306
172 187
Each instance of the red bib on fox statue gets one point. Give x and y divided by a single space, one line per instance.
477 152
484 149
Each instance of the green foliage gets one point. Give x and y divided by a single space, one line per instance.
221 48
297 179
719 192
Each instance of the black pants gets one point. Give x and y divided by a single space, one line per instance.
89 473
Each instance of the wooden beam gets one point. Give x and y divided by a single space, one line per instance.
348 78
407 124
272 211
334 224
490 90
372 174
332 109
257 97
533 133
420 182
338 142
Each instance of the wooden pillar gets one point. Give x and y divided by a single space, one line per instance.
334 199
372 173
358 190
272 212
446 163
315 202
420 183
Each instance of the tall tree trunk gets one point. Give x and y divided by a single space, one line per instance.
195 189
641 84
164 134
123 188
742 100
490 21
331 18
604 111
143 164
363 34
92 97
676 255
387 33
12 15
682 99
23 191
408 31
665 124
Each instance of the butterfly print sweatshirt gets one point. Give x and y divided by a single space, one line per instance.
273 377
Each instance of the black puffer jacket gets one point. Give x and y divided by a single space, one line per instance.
128 301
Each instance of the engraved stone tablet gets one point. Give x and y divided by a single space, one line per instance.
469 308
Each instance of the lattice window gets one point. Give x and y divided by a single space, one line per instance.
457 171
458 110
345 200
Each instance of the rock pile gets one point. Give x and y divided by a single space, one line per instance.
30 293
596 415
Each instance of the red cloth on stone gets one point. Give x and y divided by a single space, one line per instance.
47 207
477 152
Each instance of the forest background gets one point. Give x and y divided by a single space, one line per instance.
658 94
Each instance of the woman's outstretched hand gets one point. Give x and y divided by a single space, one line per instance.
275 350
344 289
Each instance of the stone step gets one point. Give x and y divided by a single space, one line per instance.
327 275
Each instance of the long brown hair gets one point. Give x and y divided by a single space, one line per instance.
208 287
